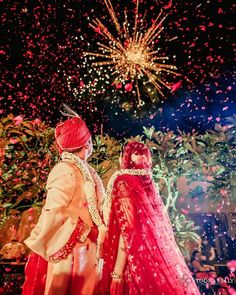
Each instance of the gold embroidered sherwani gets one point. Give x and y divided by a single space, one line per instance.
66 208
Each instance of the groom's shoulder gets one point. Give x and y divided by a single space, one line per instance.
64 168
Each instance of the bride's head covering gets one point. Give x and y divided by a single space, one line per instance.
136 155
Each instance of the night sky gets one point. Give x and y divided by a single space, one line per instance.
44 43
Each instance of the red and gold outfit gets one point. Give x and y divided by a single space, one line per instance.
134 211
64 241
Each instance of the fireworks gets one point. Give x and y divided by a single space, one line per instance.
130 55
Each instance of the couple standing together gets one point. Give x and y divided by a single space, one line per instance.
129 228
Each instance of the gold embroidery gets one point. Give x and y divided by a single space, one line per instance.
90 192
79 235
108 199
84 234
122 189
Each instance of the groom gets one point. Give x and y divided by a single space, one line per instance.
70 231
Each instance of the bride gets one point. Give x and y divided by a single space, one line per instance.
140 252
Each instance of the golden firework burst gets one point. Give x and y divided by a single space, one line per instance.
131 55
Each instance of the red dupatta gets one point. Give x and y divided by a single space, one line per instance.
155 264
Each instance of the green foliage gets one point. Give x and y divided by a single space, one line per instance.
106 152
27 155
197 193
209 157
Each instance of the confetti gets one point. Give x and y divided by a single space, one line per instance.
44 45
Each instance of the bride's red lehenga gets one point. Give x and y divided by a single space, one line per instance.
134 209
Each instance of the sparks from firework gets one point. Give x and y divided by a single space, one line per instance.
131 56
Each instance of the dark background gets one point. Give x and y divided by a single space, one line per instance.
44 41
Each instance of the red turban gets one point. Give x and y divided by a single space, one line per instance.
71 134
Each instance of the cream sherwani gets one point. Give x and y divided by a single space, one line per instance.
65 203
